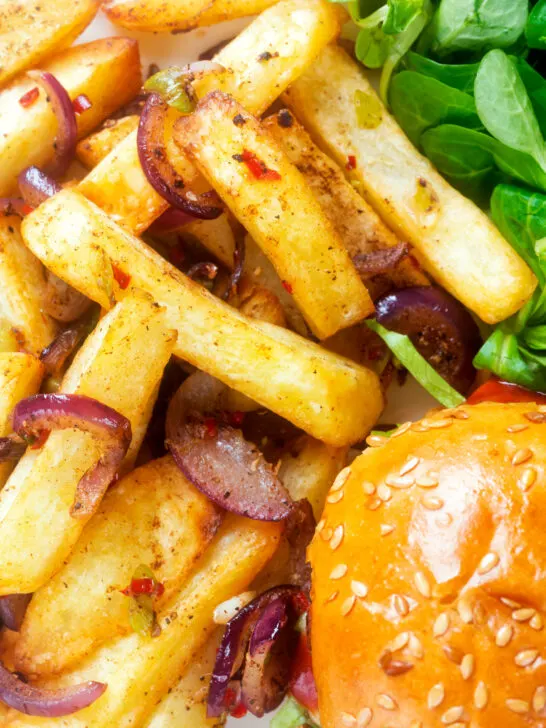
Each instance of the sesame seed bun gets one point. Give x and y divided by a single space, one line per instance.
429 576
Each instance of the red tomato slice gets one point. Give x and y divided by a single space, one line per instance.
302 682
495 391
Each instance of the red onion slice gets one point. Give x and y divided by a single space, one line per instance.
380 261
67 135
12 610
159 171
44 412
62 302
238 634
46 703
203 270
238 265
441 329
171 220
36 186
13 206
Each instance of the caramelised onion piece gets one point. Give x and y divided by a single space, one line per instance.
268 625
13 206
12 610
159 171
238 266
380 261
266 670
217 459
44 412
171 220
67 135
440 328
54 356
11 448
299 532
46 703
62 302
203 270
36 186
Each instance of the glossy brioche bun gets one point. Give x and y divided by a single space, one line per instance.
429 576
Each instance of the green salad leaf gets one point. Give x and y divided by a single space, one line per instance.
474 25
505 108
461 76
516 350
172 85
291 715
406 353
535 30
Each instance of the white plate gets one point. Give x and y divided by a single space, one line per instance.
164 49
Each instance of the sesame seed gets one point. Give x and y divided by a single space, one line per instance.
452 715
369 488
402 482
415 647
517 428
536 417
394 668
386 528
340 480
431 503
460 414
527 478
454 654
440 424
441 625
333 596
386 702
467 666
410 464
541 408
348 720
326 534
384 492
401 430
536 622
364 718
339 571
510 603
337 538
435 696
399 642
522 456
376 440
488 563
335 497
539 699
444 520
523 615
359 589
465 612
481 696
422 585
348 605
517 706
427 481
374 503
401 605
320 525
504 635
459 724
526 658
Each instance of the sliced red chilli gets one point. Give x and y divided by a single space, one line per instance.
45 412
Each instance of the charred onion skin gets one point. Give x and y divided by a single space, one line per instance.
439 326
257 630
44 412
12 610
46 703
159 171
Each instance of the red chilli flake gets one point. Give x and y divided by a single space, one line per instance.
351 162
30 97
40 440
257 168
81 103
287 287
211 426
235 419
150 587
121 278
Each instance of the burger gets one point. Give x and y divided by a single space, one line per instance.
428 568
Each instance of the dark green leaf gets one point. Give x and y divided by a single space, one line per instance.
473 25
421 102
504 355
417 366
400 15
536 88
460 76
535 338
535 31
504 106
